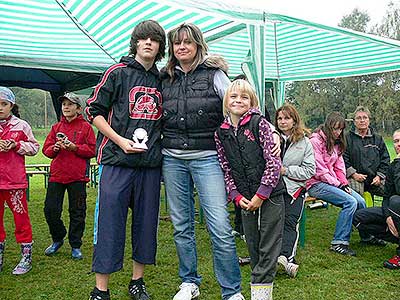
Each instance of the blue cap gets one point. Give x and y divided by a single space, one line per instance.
7 94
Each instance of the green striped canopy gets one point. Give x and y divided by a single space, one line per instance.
86 36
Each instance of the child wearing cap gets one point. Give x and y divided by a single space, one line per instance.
70 144
16 141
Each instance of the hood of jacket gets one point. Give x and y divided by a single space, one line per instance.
217 62
130 61
211 61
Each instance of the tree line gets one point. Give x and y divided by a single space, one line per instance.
379 92
314 99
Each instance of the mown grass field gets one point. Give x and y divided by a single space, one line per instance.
322 275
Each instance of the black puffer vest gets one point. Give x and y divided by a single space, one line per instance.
246 158
192 110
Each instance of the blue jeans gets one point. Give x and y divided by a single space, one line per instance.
180 176
348 203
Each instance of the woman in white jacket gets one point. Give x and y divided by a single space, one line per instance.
298 165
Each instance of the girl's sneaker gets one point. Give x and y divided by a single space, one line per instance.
291 269
342 249
282 263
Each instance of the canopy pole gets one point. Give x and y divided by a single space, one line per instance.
253 67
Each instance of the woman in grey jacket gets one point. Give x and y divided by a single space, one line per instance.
298 165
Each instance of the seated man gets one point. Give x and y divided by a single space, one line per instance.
366 156
384 222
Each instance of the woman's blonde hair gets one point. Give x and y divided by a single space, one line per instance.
298 130
195 35
242 86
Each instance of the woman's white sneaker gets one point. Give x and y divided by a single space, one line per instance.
291 269
187 291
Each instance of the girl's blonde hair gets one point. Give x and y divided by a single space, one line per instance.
241 86
195 35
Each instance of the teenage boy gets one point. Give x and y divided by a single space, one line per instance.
70 144
126 99
384 222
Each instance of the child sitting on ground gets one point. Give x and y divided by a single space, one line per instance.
71 143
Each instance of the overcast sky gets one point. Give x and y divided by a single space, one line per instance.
328 12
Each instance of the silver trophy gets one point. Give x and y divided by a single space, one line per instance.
61 136
140 138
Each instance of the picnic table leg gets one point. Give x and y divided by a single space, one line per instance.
27 189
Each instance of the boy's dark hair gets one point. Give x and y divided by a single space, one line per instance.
240 76
148 29
15 111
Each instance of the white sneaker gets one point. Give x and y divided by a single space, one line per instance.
291 269
237 296
187 291
282 261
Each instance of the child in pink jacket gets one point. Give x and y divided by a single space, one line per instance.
329 182
16 141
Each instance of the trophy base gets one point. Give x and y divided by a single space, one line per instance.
140 146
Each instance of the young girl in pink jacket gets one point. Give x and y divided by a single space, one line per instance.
329 182
16 141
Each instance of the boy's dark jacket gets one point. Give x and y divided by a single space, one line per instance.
245 157
392 185
128 97
70 166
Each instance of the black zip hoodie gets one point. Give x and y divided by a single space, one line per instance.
128 97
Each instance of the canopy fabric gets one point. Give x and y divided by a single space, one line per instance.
86 36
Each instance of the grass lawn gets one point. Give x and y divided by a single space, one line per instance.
322 275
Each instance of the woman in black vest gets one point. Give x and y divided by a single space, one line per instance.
244 145
193 88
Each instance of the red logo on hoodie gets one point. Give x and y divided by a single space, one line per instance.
145 103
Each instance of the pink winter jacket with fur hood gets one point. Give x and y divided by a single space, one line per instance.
330 167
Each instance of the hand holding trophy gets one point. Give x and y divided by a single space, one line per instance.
62 137
140 138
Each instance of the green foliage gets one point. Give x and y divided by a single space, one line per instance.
378 92
31 106
357 20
